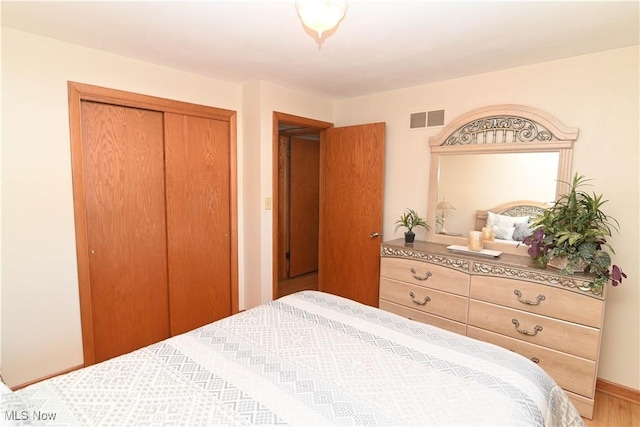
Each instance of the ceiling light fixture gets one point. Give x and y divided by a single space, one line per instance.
321 16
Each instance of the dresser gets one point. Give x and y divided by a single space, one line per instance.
552 319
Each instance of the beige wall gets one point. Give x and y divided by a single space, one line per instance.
262 99
40 309
40 312
598 94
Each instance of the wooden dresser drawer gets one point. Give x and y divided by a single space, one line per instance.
584 405
420 316
425 274
428 300
570 372
536 298
579 340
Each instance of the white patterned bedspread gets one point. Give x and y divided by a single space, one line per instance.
307 359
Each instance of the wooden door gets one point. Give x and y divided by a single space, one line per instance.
123 175
119 189
351 203
198 220
282 231
303 206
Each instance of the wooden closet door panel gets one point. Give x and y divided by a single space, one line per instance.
123 171
304 206
198 220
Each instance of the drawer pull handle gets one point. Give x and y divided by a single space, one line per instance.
539 299
413 298
536 329
535 360
415 274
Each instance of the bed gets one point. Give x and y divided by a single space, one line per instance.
309 358
511 221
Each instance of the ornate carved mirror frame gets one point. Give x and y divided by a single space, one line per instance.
506 128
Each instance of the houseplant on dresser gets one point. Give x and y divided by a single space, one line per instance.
410 219
572 236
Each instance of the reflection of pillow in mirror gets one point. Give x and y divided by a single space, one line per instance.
503 233
521 231
504 220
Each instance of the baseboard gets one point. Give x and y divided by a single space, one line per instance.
617 390
66 371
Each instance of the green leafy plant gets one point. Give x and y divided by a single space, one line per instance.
410 219
575 227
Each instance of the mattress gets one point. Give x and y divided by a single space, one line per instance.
309 358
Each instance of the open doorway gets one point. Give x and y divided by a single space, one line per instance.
351 184
298 213
295 203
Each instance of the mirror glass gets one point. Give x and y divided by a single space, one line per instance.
472 182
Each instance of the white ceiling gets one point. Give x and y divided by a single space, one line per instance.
379 46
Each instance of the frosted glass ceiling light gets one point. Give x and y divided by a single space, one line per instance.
321 16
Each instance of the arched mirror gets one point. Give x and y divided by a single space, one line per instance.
506 159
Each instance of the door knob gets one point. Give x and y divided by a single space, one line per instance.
374 235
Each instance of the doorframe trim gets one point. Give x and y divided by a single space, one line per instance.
291 119
78 92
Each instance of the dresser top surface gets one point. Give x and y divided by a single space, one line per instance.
441 249
505 260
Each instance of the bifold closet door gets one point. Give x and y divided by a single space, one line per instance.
198 220
123 174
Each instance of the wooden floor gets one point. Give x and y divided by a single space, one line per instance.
300 283
614 411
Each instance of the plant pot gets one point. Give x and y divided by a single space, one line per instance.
409 236
562 261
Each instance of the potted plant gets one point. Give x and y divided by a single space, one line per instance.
411 219
572 236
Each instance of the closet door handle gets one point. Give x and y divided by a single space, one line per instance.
374 235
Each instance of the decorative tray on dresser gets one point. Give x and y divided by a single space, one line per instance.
555 320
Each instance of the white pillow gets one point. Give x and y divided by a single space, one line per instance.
503 233
494 219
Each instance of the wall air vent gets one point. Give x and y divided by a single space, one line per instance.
426 119
435 118
418 120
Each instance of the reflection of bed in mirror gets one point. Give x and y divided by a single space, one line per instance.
511 221
479 181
